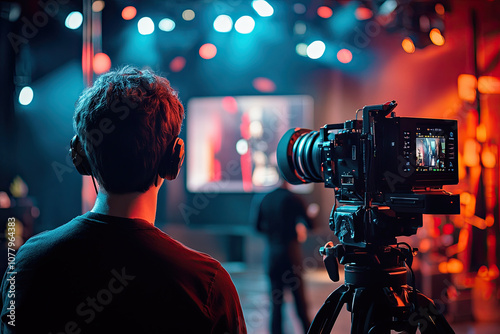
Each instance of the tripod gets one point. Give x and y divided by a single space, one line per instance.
376 293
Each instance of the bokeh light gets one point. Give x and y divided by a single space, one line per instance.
98 6
481 133
244 25
102 63
344 56
436 37
230 104
325 12
439 9
208 51
363 13
448 228
242 146
316 49
146 26
301 49
223 23
26 95
408 45
177 64
129 12
264 85
263 8
188 15
166 25
299 28
299 8
488 158
74 20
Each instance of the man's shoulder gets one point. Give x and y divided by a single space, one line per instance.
43 241
188 258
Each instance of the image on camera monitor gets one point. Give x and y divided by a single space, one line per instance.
430 153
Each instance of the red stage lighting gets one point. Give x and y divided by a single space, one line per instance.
208 51
128 13
102 63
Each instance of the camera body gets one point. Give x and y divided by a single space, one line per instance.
387 170
408 154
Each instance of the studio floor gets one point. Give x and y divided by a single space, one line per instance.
252 287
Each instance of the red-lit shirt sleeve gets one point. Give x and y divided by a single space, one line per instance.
224 306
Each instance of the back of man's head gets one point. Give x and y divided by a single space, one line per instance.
125 122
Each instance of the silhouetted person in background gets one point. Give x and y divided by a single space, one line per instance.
111 270
282 217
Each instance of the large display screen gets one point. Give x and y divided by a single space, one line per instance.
231 141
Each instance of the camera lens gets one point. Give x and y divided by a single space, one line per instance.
299 156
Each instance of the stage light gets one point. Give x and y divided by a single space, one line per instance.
299 8
316 49
299 28
177 64
455 266
467 84
145 26
102 63
244 25
208 51
188 15
256 129
74 20
98 6
408 45
436 37
344 56
471 152
242 146
26 95
129 12
481 133
488 85
264 85
439 9
230 104
448 228
488 158
490 220
263 8
223 23
363 13
301 49
166 25
325 12
387 7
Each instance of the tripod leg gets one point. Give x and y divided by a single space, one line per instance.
361 312
370 313
328 313
429 319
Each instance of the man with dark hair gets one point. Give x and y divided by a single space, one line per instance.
111 270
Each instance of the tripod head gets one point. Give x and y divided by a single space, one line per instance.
372 257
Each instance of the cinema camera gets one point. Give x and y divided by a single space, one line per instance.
396 166
386 171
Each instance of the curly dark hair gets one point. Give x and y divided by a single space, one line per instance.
125 122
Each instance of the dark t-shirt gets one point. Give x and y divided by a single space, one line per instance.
278 213
103 274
